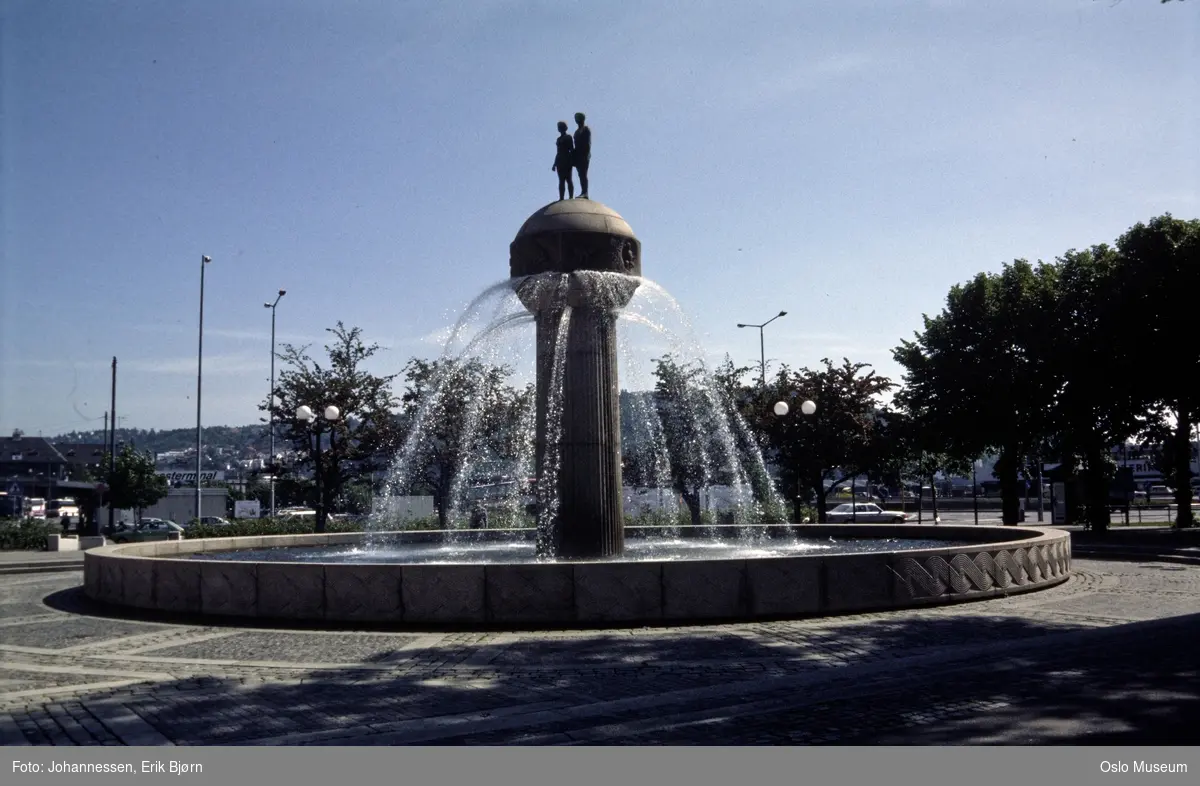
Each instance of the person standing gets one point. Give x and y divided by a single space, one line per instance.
583 153
563 160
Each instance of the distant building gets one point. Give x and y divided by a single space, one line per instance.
35 467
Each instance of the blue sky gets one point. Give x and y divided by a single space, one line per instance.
845 161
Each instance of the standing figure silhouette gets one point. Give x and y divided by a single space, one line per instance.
583 152
564 147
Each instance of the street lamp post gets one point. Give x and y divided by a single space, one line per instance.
204 260
762 347
271 397
305 413
976 464
807 408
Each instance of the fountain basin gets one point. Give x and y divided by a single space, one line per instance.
173 576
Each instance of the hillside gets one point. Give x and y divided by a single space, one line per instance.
239 441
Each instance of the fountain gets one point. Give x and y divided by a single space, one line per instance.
553 263
574 266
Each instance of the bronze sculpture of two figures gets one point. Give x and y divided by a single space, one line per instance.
573 151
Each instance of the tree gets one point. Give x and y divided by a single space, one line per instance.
685 449
980 376
363 435
813 454
1159 275
133 483
458 414
689 435
1097 402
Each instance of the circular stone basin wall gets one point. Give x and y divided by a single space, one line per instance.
1001 561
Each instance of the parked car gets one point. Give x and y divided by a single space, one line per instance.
146 529
1160 491
865 512
213 521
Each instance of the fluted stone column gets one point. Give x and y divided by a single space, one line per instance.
553 261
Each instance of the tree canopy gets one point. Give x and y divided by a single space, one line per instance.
133 483
362 436
812 454
458 417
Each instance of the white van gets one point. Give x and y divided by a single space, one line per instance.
57 508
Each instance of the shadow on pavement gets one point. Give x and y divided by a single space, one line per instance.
890 679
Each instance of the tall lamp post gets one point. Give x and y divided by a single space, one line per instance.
204 260
305 413
762 347
807 408
271 396
975 465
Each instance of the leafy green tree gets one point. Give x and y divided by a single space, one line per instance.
813 454
695 457
456 412
689 435
133 483
980 376
1159 276
1098 401
361 438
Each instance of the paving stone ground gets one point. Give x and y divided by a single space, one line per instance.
1111 656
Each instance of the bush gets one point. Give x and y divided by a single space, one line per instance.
806 514
661 517
288 525
26 534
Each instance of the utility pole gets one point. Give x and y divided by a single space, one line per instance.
271 398
204 260
112 448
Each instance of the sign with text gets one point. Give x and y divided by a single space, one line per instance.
189 478
246 509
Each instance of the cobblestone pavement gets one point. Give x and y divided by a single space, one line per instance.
1110 656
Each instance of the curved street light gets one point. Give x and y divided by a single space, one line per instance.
761 345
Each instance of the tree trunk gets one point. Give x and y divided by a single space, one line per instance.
933 497
692 500
1096 482
1069 475
1007 470
797 509
1181 471
443 512
822 504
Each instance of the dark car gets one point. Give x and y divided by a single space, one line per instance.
147 529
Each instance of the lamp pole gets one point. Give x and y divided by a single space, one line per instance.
807 408
271 397
305 413
112 452
762 347
204 260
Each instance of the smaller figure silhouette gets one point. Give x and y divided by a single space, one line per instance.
563 160
583 153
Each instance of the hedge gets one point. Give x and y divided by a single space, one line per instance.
26 534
